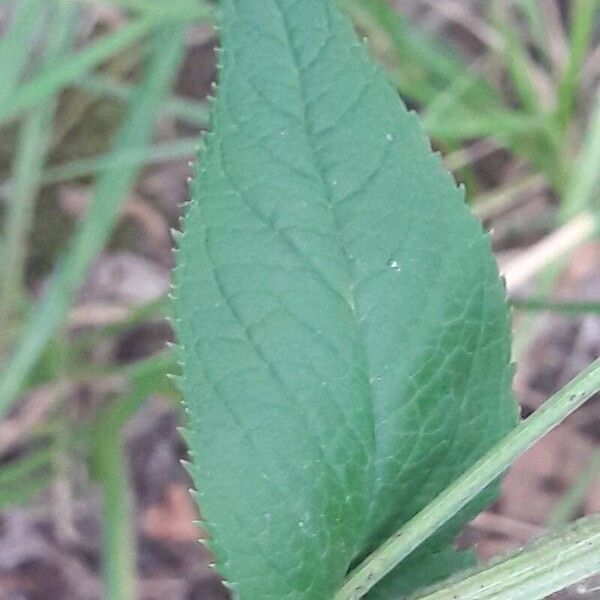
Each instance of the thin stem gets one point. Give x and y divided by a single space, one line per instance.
118 533
547 566
471 483
575 307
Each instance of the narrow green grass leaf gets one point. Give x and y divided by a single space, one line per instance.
144 378
550 564
109 194
190 111
50 80
24 477
180 10
15 44
475 479
109 465
32 146
459 125
428 64
517 59
118 159
575 307
118 529
584 185
585 15
531 10
345 333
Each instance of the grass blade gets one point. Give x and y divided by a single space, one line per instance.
547 566
502 124
517 60
109 464
565 308
118 159
32 146
427 66
14 44
109 196
471 483
118 533
586 177
180 10
584 17
49 81
190 111
24 477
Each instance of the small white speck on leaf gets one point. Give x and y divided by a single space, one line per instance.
394 264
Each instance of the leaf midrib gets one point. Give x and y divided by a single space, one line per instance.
351 272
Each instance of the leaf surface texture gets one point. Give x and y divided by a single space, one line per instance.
344 331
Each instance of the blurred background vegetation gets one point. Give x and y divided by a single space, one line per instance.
102 105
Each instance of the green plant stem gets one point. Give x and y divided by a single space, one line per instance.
575 307
110 193
471 483
118 529
547 566
109 464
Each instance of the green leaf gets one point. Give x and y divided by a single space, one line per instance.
472 482
344 331
419 571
